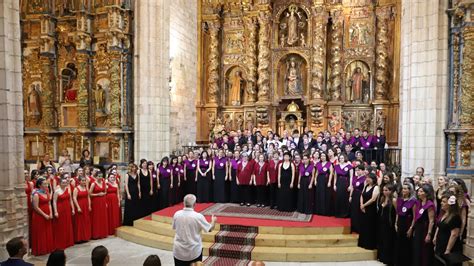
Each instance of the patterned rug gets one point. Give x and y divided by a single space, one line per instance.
233 246
235 210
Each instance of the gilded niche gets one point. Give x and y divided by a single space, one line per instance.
293 27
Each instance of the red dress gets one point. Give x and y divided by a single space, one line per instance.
82 223
100 224
64 236
113 209
42 229
28 191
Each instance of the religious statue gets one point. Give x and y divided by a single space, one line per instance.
227 122
333 122
349 120
100 98
239 122
357 83
282 40
292 78
236 84
291 124
34 100
293 16
302 40
69 84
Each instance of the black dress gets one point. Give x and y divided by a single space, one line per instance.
190 187
444 233
403 250
203 183
305 195
422 251
356 213
132 210
368 225
155 198
220 168
322 196
234 188
385 233
145 202
285 193
342 207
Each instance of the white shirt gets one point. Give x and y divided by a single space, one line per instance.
187 240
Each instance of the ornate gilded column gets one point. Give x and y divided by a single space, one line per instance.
213 68
336 55
251 26
264 56
82 40
320 20
383 15
47 58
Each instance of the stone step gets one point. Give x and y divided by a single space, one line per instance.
265 253
268 240
279 230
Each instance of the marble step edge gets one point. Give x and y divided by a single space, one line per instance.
320 254
277 229
261 239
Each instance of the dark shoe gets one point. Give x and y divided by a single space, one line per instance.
248 204
263 206
242 204
258 205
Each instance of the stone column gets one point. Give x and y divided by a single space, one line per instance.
336 55
151 80
264 57
13 208
382 54
213 69
424 89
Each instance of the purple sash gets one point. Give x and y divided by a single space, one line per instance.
234 163
323 169
403 206
342 171
165 172
366 142
422 209
358 182
190 165
219 163
306 171
203 165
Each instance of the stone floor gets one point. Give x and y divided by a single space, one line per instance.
130 254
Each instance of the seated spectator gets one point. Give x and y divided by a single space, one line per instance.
152 260
16 248
100 256
57 258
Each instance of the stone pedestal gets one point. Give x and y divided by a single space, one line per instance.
13 208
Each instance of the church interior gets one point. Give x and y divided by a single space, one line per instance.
106 83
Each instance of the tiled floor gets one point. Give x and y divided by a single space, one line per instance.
130 254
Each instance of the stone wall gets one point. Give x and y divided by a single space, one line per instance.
151 80
183 55
424 81
13 208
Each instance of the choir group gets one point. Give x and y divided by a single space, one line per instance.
341 175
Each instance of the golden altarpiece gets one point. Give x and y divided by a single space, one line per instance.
335 62
76 57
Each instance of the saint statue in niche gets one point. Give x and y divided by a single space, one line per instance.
293 23
100 99
236 84
34 101
357 83
293 78
68 83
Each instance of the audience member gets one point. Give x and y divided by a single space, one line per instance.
152 260
57 258
17 248
100 256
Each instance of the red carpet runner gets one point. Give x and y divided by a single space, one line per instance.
233 246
